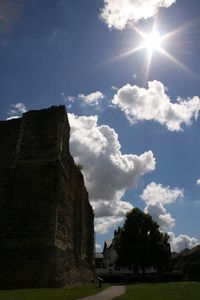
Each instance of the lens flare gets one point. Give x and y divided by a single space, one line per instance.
8 17
153 42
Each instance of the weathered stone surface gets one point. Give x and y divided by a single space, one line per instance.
46 221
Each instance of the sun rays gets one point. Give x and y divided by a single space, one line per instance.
154 43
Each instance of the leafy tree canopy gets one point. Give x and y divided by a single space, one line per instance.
140 244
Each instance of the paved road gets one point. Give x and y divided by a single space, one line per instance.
107 294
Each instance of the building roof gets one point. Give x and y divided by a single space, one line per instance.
186 252
107 245
194 249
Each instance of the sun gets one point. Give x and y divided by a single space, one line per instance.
152 41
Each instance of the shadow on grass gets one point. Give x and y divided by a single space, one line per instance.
70 293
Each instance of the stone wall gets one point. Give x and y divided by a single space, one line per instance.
46 221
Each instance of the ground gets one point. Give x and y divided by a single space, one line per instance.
163 291
51 294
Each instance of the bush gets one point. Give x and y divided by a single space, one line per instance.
171 276
192 271
139 278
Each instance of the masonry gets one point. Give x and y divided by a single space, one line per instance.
46 221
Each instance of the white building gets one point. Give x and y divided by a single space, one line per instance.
109 255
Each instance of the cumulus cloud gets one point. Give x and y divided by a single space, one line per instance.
178 243
107 172
160 215
162 194
109 213
92 98
16 111
116 207
121 13
198 182
155 197
102 225
140 104
97 247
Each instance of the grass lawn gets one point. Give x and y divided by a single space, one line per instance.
51 294
163 291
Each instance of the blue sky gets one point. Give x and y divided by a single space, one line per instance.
136 133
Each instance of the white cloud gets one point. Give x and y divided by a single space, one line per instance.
92 98
114 88
71 98
102 225
108 214
13 117
157 192
155 197
178 243
68 100
107 172
140 104
198 182
160 215
121 13
63 97
105 208
97 247
16 111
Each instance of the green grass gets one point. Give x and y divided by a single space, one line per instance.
51 294
163 291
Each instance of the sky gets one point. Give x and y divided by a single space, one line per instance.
128 73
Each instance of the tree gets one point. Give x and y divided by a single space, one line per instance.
140 244
80 167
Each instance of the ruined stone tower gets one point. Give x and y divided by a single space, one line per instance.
46 221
